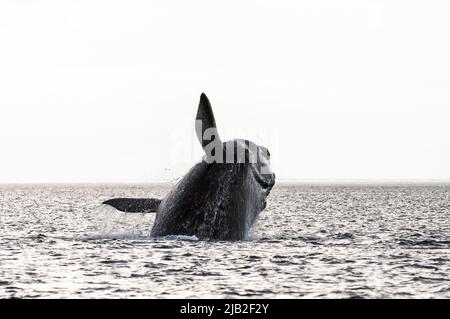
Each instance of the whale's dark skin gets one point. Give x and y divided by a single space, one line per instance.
214 200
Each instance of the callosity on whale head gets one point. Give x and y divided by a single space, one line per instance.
221 197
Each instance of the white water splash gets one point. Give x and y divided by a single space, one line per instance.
112 223
179 237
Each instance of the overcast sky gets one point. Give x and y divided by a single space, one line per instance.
108 90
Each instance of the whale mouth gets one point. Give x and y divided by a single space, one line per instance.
265 180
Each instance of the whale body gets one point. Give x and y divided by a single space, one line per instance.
221 197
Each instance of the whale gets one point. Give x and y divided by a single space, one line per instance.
220 197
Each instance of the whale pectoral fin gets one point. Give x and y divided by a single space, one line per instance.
205 123
134 205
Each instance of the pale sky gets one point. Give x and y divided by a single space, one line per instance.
107 91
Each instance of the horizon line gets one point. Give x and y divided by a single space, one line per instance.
282 181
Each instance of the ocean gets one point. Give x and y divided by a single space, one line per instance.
312 241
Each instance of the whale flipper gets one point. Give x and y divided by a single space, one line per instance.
134 205
205 123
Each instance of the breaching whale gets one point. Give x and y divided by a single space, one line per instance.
220 197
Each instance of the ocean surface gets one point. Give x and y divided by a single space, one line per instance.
312 241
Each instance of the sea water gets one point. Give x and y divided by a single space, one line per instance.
312 241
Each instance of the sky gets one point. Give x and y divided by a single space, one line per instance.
107 91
